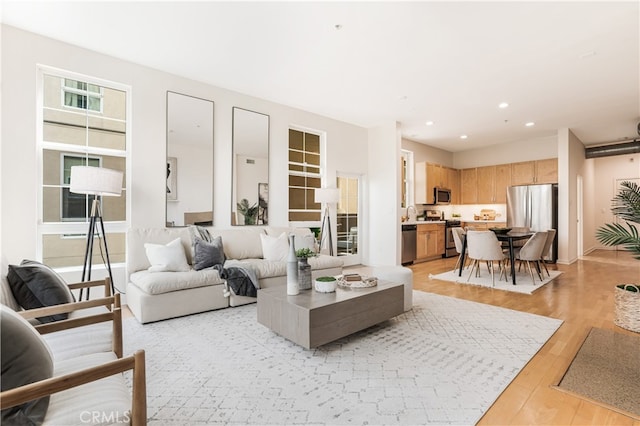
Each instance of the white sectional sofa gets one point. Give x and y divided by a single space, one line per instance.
154 296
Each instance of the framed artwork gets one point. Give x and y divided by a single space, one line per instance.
172 178
263 204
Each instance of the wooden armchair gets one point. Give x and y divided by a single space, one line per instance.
87 384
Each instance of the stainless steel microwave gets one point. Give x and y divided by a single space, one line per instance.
441 195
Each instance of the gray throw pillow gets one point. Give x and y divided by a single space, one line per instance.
35 285
25 359
208 254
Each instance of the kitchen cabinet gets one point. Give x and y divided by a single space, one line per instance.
484 226
503 181
531 172
492 183
429 241
468 186
547 171
452 181
429 176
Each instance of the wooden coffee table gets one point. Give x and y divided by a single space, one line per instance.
311 319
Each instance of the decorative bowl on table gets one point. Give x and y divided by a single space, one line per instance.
325 284
500 230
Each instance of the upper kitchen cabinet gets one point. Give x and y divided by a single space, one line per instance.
468 186
486 185
547 171
452 182
430 175
530 172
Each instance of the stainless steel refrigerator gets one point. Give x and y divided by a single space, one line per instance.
536 207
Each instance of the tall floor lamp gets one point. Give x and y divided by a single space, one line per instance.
99 182
327 196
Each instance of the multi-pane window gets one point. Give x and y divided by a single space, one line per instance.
304 176
347 215
85 124
80 94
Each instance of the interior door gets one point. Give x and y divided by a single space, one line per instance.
349 233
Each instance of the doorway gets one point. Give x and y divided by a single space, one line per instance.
348 218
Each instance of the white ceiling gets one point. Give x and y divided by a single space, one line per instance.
558 64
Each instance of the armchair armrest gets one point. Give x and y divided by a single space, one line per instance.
114 314
106 283
135 362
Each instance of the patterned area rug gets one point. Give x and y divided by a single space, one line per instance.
524 284
606 370
444 362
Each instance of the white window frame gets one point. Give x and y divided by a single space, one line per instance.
353 259
78 227
66 89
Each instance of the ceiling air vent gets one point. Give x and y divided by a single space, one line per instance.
617 149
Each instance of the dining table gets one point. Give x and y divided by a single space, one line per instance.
509 237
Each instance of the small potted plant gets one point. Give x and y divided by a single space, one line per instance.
304 269
626 206
326 284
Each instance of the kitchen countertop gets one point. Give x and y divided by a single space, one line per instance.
422 222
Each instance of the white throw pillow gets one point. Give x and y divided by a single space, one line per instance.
167 258
276 249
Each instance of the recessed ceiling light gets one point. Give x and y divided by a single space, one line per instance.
503 105
429 123
463 136
530 124
338 26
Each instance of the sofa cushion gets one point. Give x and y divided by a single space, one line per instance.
108 399
207 253
275 248
240 243
165 282
324 261
6 296
138 237
35 285
167 257
26 358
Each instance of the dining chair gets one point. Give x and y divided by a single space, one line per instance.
458 237
551 235
531 252
483 246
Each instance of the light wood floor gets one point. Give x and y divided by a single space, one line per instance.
582 297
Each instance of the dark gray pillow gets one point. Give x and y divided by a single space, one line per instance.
25 359
35 285
208 254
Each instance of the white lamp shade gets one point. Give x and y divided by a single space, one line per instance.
95 181
327 195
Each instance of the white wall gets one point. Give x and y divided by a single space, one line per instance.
425 153
606 171
21 52
513 152
384 196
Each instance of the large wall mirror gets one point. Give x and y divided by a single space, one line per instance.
250 185
189 160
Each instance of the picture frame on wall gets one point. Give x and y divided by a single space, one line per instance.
172 179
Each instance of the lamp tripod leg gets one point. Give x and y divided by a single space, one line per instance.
106 252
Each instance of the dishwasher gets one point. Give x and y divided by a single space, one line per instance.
408 244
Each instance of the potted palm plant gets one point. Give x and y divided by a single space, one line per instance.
626 206
249 212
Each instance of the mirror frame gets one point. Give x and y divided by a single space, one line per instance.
204 218
262 188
